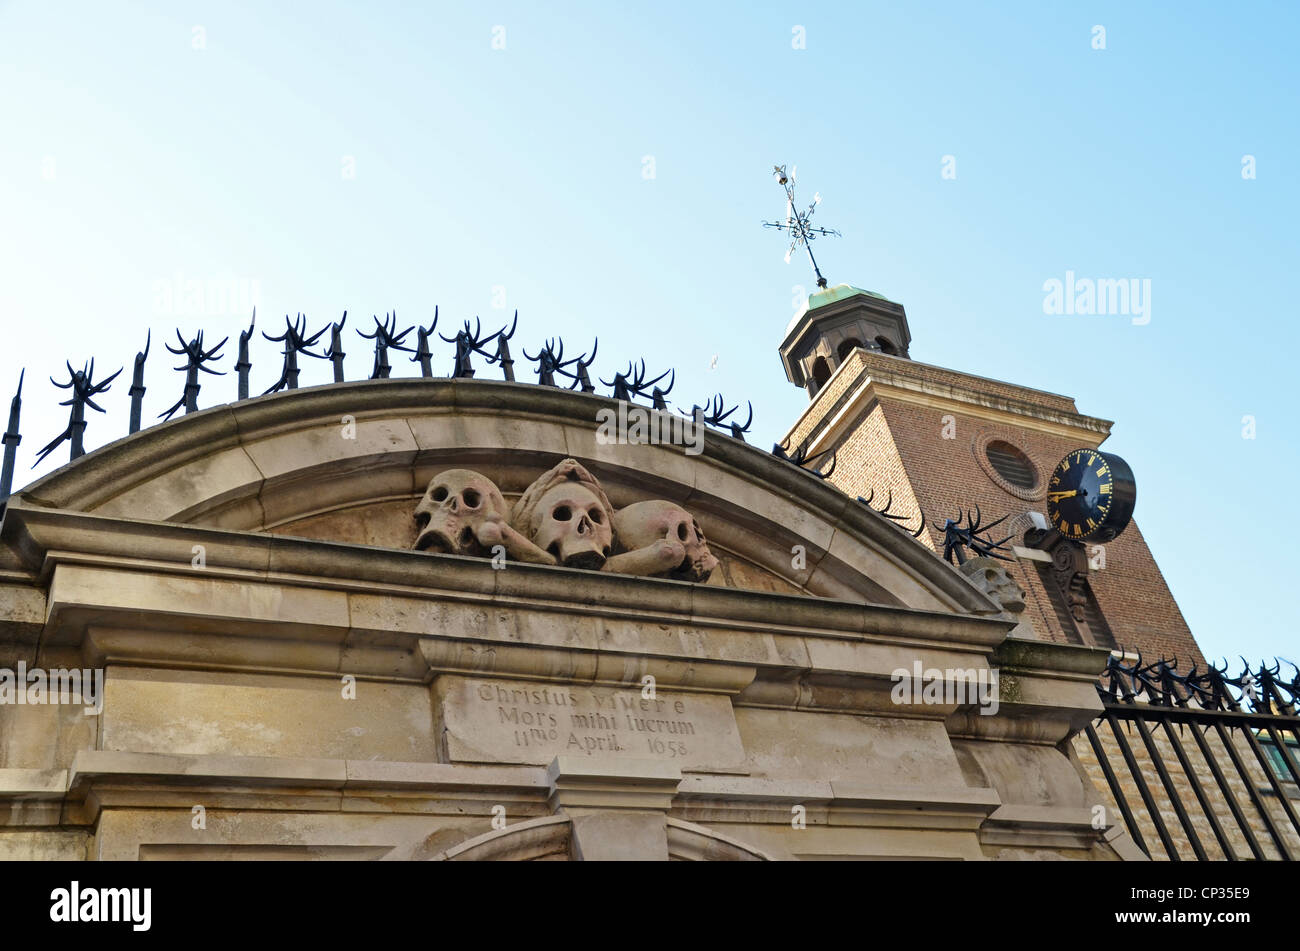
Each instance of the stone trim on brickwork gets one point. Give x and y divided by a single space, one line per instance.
876 375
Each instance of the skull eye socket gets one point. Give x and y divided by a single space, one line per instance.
471 498
439 493
681 530
421 519
562 513
594 515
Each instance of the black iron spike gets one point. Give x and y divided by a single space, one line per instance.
657 395
386 338
738 431
242 363
196 358
423 355
84 388
582 377
11 439
335 353
137 384
503 350
619 383
295 341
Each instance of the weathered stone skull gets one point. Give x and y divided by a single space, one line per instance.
571 523
643 524
460 514
566 515
991 577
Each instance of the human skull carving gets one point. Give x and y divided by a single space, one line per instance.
565 513
992 578
668 530
572 525
462 513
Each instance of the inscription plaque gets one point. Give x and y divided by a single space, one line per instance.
511 721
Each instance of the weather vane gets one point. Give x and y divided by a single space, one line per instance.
797 222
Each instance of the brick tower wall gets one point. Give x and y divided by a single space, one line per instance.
895 444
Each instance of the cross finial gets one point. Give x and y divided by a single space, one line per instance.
797 223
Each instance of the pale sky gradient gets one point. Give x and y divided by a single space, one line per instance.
129 158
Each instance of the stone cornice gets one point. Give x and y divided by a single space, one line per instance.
120 779
362 609
52 537
876 376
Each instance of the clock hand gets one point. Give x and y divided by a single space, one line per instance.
1057 496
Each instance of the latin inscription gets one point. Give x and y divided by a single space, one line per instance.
501 721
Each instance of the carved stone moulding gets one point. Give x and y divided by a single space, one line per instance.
563 518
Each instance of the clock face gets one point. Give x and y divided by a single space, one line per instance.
1090 495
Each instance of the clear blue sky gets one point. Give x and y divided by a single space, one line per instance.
130 158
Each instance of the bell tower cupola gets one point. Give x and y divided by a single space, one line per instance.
832 324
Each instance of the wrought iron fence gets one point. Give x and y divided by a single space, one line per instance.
1213 759
552 369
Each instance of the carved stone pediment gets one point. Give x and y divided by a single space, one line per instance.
352 463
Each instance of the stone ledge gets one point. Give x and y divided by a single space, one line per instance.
90 766
1046 827
33 784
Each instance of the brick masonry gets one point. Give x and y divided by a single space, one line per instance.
919 432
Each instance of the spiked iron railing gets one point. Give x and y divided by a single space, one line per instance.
957 538
1242 735
896 518
552 369
802 460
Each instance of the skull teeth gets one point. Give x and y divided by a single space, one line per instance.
437 540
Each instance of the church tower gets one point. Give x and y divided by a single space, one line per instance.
934 442
835 322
